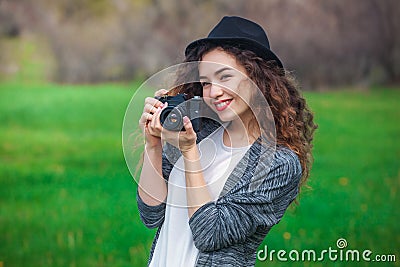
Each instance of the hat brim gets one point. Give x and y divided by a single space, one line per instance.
245 43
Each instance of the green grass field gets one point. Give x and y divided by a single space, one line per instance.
68 199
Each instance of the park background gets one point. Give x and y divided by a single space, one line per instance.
68 70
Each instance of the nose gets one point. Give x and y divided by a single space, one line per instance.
216 90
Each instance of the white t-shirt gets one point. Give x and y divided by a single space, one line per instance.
175 245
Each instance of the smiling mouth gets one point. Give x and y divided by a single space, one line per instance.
222 104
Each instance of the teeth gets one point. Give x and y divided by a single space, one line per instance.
222 104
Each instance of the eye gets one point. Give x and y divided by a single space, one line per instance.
205 84
225 76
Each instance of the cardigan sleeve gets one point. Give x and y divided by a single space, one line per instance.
153 216
236 216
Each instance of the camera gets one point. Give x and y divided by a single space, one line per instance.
179 106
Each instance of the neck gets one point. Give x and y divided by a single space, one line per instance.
238 134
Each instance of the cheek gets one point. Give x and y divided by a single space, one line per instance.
243 100
206 97
205 93
234 85
244 94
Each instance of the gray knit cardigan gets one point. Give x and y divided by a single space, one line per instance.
228 231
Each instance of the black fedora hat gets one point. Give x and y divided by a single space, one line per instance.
243 32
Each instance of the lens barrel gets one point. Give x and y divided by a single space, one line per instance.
171 119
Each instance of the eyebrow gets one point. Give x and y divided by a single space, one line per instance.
217 72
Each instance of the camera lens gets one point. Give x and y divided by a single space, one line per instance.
171 119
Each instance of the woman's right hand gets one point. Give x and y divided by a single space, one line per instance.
149 122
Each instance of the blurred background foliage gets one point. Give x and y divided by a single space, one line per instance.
325 43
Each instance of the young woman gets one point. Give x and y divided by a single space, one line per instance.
215 194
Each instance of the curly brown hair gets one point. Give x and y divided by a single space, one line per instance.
294 121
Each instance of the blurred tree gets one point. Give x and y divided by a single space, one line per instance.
326 42
9 27
387 18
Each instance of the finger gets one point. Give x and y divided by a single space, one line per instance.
150 108
153 102
161 92
145 117
187 124
156 119
151 129
154 122
152 105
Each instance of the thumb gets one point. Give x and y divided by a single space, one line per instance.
187 124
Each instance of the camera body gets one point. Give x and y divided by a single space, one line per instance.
179 106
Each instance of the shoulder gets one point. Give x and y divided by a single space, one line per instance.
271 169
274 156
286 161
284 154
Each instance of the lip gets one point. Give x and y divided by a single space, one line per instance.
221 105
